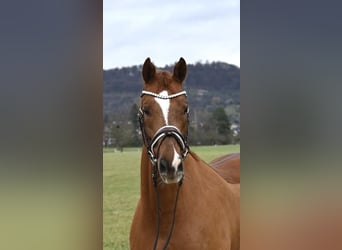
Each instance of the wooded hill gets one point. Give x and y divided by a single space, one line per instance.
208 85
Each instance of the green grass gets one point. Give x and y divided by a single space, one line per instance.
121 190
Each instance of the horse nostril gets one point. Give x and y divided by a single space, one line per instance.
180 167
163 165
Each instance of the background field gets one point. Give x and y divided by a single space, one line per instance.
121 189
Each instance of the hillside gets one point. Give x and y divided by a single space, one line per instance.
208 86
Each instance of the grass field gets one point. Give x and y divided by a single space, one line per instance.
121 190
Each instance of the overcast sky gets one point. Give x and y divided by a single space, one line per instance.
198 30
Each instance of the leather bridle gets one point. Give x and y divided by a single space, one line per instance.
163 132
159 136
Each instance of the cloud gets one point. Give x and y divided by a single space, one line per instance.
166 30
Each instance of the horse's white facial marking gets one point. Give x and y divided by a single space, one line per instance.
164 106
176 159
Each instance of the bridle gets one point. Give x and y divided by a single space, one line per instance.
163 132
159 136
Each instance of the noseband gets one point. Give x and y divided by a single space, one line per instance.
159 136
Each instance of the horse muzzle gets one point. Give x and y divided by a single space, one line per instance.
171 172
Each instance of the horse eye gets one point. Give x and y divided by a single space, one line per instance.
146 111
186 110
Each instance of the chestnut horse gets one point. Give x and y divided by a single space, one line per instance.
228 166
184 203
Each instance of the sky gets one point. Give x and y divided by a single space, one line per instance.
165 30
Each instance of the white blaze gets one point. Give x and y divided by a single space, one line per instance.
164 105
176 159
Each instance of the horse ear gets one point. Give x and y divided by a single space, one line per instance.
148 70
179 71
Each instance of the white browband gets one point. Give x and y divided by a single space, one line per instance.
144 92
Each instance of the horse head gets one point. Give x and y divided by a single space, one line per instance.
163 119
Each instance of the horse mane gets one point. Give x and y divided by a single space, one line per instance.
166 78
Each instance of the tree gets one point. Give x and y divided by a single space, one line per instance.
222 124
135 136
134 116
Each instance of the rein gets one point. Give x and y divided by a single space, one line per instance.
158 218
160 135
